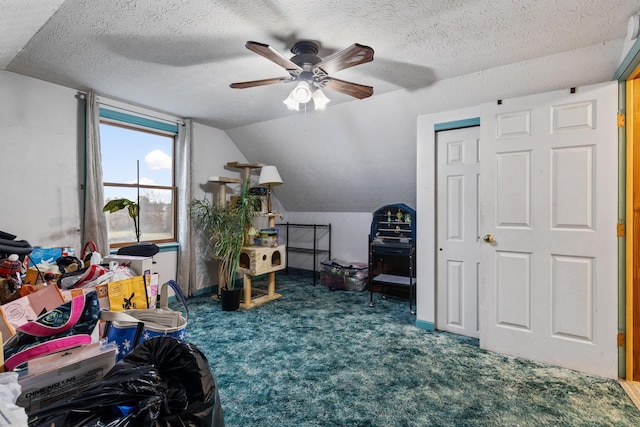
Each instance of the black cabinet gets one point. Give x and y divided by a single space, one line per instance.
392 251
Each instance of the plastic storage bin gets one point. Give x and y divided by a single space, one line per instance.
338 274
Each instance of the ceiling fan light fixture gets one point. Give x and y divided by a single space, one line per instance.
291 103
320 100
309 72
302 92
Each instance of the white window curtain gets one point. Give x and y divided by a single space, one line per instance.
186 260
94 220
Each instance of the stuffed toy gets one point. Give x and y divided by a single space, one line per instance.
10 266
10 269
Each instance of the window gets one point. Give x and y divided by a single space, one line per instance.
138 164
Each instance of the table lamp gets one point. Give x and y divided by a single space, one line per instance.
269 177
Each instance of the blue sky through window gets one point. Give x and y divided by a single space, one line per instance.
122 147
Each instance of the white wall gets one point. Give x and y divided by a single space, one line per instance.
212 149
41 128
40 189
349 236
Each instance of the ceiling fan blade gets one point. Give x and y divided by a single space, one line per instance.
353 89
263 82
272 55
355 54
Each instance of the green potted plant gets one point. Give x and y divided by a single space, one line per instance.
134 211
227 227
116 205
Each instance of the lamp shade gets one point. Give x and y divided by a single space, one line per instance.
269 176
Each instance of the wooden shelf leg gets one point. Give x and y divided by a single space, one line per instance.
247 289
271 288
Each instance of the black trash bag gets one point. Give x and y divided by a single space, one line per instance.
192 387
162 382
129 397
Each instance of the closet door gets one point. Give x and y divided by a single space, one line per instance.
458 244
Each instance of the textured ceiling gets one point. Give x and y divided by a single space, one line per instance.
19 20
179 56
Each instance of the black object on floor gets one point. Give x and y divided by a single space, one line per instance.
163 381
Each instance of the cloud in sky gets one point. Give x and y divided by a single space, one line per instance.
147 181
144 181
158 159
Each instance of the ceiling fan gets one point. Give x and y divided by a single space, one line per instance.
312 72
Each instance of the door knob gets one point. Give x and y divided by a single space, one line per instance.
488 238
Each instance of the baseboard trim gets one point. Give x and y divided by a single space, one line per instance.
423 324
209 290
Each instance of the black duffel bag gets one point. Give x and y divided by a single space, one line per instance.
18 247
145 249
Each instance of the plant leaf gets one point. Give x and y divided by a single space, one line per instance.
115 205
133 210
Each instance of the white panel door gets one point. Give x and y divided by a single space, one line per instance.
549 199
458 253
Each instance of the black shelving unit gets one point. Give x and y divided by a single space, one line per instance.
314 248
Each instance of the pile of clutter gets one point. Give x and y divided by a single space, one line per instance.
22 274
13 254
25 269
63 366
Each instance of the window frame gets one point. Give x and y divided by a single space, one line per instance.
137 123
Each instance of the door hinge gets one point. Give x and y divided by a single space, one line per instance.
620 339
620 120
620 230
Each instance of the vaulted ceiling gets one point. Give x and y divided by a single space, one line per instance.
179 56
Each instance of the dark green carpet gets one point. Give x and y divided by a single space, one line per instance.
317 357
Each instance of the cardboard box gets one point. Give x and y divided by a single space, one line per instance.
34 277
139 264
61 375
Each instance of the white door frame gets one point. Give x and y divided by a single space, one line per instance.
425 206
